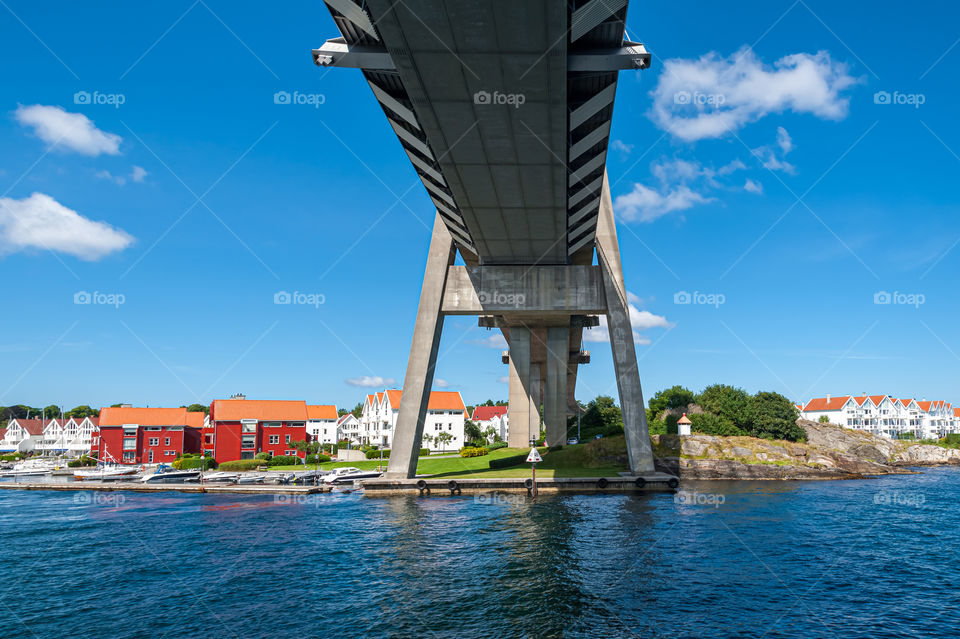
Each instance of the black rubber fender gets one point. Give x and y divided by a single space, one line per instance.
421 484
602 483
528 483
453 485
673 482
640 482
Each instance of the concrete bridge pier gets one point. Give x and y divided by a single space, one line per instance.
555 389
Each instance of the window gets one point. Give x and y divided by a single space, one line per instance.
248 427
247 441
295 424
274 439
154 441
152 428
289 452
129 456
271 424
150 458
169 452
166 441
208 439
129 443
288 439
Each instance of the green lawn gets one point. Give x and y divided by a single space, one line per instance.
596 458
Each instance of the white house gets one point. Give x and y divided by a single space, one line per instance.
494 417
445 414
22 435
79 434
322 423
52 440
884 415
348 428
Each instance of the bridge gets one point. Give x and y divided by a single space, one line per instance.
504 110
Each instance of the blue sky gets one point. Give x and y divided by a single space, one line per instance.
785 204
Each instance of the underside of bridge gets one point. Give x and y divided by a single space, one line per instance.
504 110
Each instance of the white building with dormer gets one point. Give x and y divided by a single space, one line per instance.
446 413
885 416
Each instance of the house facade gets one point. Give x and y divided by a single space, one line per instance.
244 427
445 414
348 429
322 423
494 417
131 435
885 416
22 435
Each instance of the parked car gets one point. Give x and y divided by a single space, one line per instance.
598 436
572 441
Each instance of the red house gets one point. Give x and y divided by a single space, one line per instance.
147 435
244 427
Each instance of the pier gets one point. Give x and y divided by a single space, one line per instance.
138 487
425 486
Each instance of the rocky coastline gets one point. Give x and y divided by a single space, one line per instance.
830 452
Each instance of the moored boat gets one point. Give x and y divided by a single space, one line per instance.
349 474
106 472
166 475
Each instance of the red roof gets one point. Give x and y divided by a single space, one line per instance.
324 411
822 403
486 413
32 426
233 410
148 417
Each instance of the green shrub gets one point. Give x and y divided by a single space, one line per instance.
13 457
824 419
265 456
657 427
190 463
424 452
317 459
284 460
671 421
507 462
81 461
241 464
497 445
710 424
473 451
773 416
374 453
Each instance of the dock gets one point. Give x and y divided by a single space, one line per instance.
446 486
138 487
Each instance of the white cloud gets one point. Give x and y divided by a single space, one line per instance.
41 222
753 187
441 383
138 173
494 340
768 154
645 204
639 321
67 131
370 381
504 379
784 140
713 95
621 147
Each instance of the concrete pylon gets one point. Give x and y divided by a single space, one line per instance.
519 398
418 380
535 398
555 388
621 339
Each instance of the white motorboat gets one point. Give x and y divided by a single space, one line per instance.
106 472
220 477
349 474
167 475
29 467
309 476
250 479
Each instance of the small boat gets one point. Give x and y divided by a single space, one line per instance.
29 467
349 474
220 477
308 476
167 475
250 479
106 472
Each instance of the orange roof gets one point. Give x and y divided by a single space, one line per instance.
684 420
822 403
439 400
370 399
146 417
956 412
876 399
195 419
324 411
924 406
233 410
379 397
860 400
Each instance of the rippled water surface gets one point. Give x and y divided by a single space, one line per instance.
874 558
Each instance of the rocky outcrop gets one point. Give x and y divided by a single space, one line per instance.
926 455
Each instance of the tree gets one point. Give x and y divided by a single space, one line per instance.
673 397
444 438
491 435
427 439
82 411
310 448
824 419
472 433
600 417
357 410
342 411
198 408
51 412
773 416
727 402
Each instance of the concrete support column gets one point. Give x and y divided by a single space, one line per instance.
535 397
621 340
418 380
555 389
519 402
